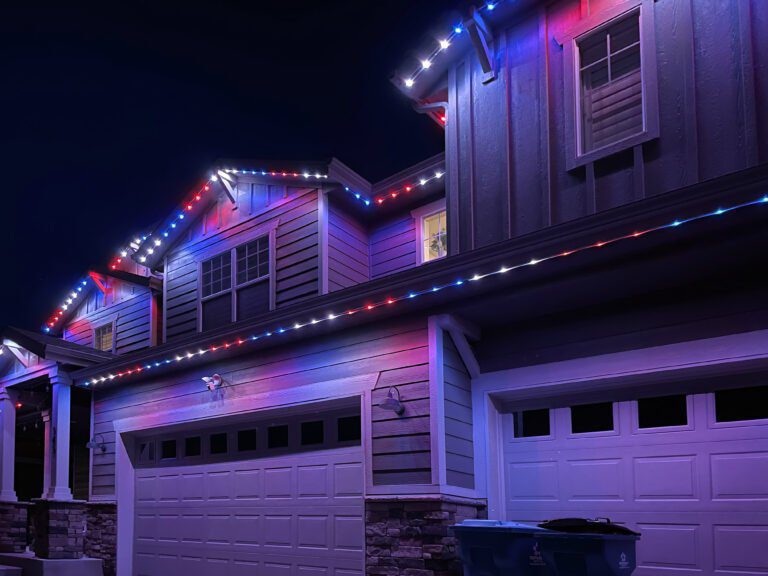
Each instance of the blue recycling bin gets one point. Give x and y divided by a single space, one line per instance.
579 547
566 547
493 548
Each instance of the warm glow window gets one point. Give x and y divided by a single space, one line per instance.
434 236
103 338
611 83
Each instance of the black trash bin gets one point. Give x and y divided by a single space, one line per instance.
493 548
580 547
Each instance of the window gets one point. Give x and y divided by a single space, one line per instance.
246 440
103 338
348 428
530 423
218 443
592 418
167 449
192 447
662 411
741 404
312 433
432 231
146 452
251 286
277 436
610 83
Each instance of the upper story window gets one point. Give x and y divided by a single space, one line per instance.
611 84
432 231
225 299
103 338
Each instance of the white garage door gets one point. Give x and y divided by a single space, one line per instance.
289 515
688 472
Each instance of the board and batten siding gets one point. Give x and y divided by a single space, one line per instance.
224 226
505 142
128 305
396 351
393 246
457 395
348 250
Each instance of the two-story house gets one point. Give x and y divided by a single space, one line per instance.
299 371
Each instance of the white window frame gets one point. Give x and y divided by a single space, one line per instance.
111 322
270 232
575 157
419 215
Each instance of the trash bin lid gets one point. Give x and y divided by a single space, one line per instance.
498 525
587 526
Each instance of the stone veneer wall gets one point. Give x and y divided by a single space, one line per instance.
412 537
101 535
13 526
59 528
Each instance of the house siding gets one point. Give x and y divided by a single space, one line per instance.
129 305
459 449
393 246
505 152
348 250
295 213
396 351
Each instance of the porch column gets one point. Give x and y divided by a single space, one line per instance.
59 453
7 446
46 416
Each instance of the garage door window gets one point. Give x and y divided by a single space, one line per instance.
168 449
531 423
348 429
192 447
586 418
662 411
277 436
246 440
312 433
741 404
218 443
146 453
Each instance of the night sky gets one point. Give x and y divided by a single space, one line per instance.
111 112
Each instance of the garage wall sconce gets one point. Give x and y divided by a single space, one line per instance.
392 402
213 382
94 444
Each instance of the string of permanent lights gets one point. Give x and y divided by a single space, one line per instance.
442 45
299 324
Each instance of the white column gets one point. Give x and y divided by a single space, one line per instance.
7 446
60 423
47 451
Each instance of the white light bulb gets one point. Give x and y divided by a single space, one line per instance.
444 43
438 174
123 253
150 251
533 261
423 181
331 316
426 64
408 82
214 178
142 258
158 242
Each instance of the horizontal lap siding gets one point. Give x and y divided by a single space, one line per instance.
296 253
393 246
348 250
131 312
397 351
459 452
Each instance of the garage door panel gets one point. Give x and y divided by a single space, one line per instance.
296 514
666 478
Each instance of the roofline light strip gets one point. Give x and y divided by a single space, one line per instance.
299 324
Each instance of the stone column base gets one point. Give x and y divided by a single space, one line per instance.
410 536
13 526
59 527
101 537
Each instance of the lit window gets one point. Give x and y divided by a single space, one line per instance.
434 236
103 338
611 83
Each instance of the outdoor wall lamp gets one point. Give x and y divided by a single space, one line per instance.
93 444
213 382
392 402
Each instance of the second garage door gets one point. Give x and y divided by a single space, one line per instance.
292 514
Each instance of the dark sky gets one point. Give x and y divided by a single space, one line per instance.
111 111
